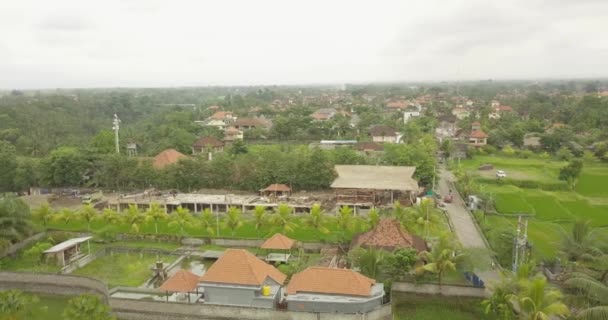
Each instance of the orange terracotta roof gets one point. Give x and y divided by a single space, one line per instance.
504 108
220 115
277 187
330 281
397 104
478 134
182 281
278 242
167 157
238 266
388 234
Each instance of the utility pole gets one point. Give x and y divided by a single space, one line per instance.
116 127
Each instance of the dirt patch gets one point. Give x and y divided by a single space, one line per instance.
35 201
61 202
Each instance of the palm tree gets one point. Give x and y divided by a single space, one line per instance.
182 218
373 217
233 219
206 221
398 211
110 216
44 213
259 219
133 217
14 219
15 305
65 215
595 294
316 219
498 303
282 218
442 258
345 220
422 219
367 260
87 213
87 306
581 242
156 214
537 301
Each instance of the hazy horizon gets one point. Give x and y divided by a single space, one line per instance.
151 44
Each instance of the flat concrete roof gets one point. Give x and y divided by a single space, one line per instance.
212 254
67 244
377 291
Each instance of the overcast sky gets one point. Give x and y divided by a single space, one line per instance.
62 43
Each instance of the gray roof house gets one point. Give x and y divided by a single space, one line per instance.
239 278
318 289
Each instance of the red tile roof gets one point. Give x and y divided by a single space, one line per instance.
389 235
207 141
278 242
369 146
250 122
167 157
504 108
238 266
478 134
182 281
383 131
232 130
331 281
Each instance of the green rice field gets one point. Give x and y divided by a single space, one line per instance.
552 212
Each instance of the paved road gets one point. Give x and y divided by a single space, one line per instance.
464 226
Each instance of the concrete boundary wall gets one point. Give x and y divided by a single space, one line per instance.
446 290
147 310
22 244
46 283
129 309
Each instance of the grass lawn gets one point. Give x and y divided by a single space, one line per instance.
121 269
144 245
49 307
408 306
22 262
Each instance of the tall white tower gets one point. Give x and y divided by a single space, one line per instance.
116 127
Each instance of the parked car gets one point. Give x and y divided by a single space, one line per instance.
501 174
